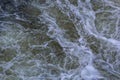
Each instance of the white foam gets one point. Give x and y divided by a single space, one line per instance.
90 73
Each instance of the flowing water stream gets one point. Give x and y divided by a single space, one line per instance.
59 39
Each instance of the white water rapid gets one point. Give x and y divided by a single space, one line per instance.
60 40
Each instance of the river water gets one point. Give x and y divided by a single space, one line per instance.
59 39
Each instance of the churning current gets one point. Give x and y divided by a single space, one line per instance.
59 39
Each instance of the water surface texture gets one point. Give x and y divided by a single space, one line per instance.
59 39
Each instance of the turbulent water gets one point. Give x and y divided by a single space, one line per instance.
59 39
